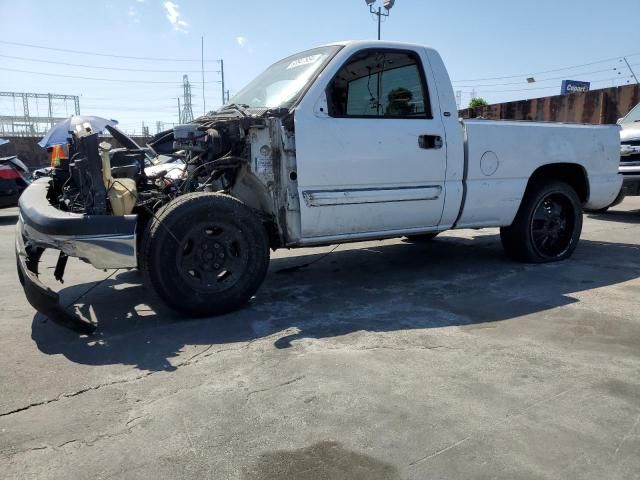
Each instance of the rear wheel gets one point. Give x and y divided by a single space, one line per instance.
547 226
205 254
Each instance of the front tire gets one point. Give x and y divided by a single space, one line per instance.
547 226
205 254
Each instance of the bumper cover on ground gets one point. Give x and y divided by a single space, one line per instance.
42 298
104 241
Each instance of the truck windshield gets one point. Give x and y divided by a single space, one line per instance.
633 115
281 84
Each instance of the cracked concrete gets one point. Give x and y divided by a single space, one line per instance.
383 360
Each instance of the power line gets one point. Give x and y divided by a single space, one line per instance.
547 71
127 109
545 88
176 83
97 67
138 99
96 54
630 69
537 81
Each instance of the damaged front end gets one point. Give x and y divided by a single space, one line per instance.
96 204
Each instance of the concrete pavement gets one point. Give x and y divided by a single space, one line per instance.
381 360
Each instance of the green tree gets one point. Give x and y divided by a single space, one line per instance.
477 102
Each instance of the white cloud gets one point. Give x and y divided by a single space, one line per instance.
242 41
173 15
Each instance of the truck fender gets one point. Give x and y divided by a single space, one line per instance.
252 192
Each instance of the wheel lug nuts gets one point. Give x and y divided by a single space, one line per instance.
216 245
216 265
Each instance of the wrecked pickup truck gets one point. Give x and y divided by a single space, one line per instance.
345 142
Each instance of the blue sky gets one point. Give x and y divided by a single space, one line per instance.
477 39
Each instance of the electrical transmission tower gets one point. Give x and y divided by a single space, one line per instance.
34 113
187 111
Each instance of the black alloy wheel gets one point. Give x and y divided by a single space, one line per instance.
552 225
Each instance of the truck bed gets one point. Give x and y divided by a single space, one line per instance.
501 156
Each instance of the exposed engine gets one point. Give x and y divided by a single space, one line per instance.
98 179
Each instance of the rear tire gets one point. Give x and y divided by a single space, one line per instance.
547 226
205 254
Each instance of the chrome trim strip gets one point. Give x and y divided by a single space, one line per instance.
323 198
629 168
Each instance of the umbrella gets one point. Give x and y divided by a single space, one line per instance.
3 141
60 131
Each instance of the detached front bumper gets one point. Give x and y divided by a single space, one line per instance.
104 241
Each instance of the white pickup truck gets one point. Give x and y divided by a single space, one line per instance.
345 142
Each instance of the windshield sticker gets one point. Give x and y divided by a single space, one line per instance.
303 61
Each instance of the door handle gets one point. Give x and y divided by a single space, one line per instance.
432 142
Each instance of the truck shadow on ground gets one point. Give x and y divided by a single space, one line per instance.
390 287
619 216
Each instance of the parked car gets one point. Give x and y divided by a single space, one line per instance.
346 142
630 153
14 178
629 158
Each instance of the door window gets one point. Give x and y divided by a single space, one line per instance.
380 83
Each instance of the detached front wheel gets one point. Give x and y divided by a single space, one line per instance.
205 254
547 226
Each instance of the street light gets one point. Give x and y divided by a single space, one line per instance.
387 4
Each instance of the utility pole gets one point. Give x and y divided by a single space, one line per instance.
50 110
179 112
222 79
204 103
629 67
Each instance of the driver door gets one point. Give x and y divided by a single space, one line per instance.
371 154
